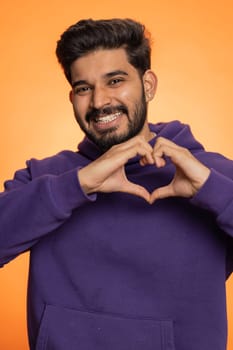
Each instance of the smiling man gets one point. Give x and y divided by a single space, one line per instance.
108 97
130 237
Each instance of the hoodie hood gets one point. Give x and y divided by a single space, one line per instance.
175 131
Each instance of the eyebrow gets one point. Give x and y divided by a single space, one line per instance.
115 72
107 75
79 82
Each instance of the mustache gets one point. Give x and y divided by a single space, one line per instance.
97 112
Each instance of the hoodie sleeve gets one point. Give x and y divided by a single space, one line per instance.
216 196
31 208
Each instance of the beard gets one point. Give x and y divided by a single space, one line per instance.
109 137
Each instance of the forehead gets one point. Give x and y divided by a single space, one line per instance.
99 63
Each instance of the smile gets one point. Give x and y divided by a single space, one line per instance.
108 118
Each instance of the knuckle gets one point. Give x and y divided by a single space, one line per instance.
160 140
185 150
140 139
113 147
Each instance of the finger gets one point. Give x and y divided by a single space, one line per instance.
134 141
177 156
161 192
159 161
163 141
182 158
147 159
161 149
131 148
163 144
142 148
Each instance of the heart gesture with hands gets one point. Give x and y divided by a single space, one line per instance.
107 173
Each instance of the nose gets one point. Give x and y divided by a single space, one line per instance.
100 97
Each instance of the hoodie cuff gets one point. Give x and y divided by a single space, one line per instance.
216 193
67 192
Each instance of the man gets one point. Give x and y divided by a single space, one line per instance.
131 237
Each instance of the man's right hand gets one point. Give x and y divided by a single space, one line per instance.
107 173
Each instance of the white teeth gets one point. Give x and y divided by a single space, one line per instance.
108 118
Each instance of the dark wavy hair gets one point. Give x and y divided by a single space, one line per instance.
88 35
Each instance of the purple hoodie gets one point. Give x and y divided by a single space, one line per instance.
111 272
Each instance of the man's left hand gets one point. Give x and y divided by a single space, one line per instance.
190 174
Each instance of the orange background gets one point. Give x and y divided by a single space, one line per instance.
192 56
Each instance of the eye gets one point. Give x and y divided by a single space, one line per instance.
82 90
115 81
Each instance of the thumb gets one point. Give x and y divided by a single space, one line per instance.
137 190
161 192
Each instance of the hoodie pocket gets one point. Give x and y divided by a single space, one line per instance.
63 329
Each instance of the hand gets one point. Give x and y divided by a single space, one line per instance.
107 173
190 174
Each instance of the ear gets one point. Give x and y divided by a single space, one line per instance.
150 84
71 96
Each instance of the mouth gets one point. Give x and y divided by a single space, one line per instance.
107 123
107 118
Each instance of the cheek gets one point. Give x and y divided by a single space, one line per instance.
127 97
80 107
131 95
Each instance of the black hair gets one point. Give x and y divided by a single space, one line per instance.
88 35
